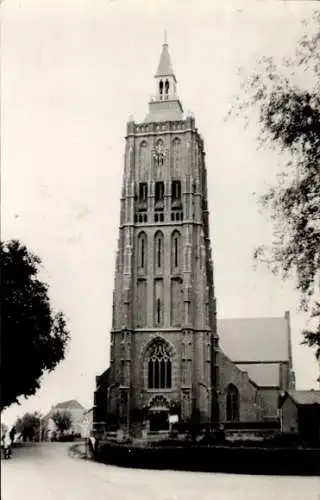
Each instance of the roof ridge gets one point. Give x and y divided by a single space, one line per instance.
250 318
69 402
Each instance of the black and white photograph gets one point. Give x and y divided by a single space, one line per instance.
160 249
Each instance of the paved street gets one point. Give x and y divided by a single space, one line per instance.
46 472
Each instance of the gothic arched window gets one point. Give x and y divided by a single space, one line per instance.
158 251
143 159
159 153
176 301
158 302
142 251
175 251
159 367
176 146
158 312
161 88
232 403
166 86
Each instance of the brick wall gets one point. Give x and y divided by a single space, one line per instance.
289 416
251 406
270 402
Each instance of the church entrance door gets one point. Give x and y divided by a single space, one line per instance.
159 420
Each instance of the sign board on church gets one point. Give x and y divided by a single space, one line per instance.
173 419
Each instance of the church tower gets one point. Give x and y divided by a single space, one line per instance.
163 339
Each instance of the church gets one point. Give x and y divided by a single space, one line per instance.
170 354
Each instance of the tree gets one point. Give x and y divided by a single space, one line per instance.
29 426
34 339
287 99
62 420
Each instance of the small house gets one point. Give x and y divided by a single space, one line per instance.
300 413
76 411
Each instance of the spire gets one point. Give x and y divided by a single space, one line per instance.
165 66
165 105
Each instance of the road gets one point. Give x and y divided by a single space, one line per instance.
45 471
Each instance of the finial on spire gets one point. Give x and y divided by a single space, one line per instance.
165 37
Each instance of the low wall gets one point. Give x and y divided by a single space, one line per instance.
240 460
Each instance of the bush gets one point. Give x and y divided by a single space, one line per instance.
286 440
67 437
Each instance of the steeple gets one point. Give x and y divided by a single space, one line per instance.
165 105
165 65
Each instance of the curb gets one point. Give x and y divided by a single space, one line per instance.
75 452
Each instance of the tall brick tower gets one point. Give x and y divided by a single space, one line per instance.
163 338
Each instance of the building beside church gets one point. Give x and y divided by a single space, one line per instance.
73 408
300 413
169 353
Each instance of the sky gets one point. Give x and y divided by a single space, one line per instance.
72 73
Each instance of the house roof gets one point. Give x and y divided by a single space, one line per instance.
69 405
89 411
264 375
254 339
305 397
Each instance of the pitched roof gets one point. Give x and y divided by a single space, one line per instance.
165 66
164 111
69 405
264 375
254 339
305 397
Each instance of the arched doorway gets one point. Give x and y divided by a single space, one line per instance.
159 414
